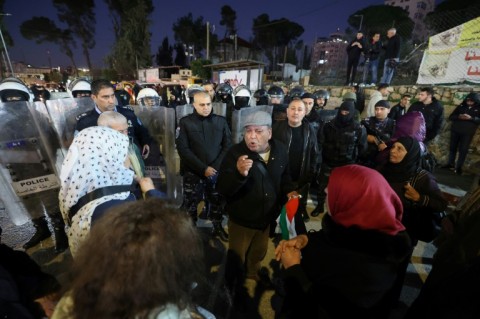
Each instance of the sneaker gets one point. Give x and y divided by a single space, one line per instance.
372 84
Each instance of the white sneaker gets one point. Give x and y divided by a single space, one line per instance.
372 84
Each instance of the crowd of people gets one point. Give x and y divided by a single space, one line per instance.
137 254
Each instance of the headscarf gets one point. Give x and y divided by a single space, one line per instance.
94 160
344 120
403 171
359 196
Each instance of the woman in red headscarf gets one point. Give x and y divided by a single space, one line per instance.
348 267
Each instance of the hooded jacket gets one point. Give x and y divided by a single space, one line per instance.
468 127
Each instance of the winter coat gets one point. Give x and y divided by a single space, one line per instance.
202 142
344 272
310 156
433 114
468 127
254 201
341 145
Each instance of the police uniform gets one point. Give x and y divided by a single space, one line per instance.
136 130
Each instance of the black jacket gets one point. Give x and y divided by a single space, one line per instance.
465 126
344 273
433 114
392 48
341 145
373 50
397 111
354 52
136 130
310 156
254 201
202 142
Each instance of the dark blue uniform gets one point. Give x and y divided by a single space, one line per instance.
136 130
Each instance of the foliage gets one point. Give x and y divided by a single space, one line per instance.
80 18
165 54
132 47
228 20
6 35
191 32
199 70
380 18
273 36
451 13
42 29
180 57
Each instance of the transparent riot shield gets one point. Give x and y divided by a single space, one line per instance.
238 118
219 108
29 158
182 111
162 165
63 114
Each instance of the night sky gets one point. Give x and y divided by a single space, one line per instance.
318 18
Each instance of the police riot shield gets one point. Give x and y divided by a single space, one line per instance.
29 159
219 108
63 114
162 165
238 118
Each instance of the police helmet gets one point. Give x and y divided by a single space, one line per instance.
195 88
241 96
224 92
276 92
13 89
261 96
148 97
296 92
79 88
322 94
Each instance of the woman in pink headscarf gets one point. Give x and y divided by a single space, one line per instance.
348 267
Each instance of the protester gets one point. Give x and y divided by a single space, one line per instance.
347 269
140 261
398 110
354 51
465 120
95 176
392 55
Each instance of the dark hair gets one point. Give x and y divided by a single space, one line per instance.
138 258
427 89
406 95
382 86
100 84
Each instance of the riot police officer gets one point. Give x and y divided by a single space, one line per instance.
80 87
261 97
276 98
321 99
28 134
241 97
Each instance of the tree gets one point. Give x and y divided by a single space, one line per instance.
131 27
42 29
80 18
228 20
199 69
273 36
180 57
451 13
381 18
165 53
191 32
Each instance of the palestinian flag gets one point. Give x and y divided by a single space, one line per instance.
286 220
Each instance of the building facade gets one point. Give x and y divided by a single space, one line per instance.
329 55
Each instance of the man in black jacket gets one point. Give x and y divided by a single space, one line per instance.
255 179
354 51
432 111
203 141
301 141
392 55
400 109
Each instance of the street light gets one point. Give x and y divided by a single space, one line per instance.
361 21
5 46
